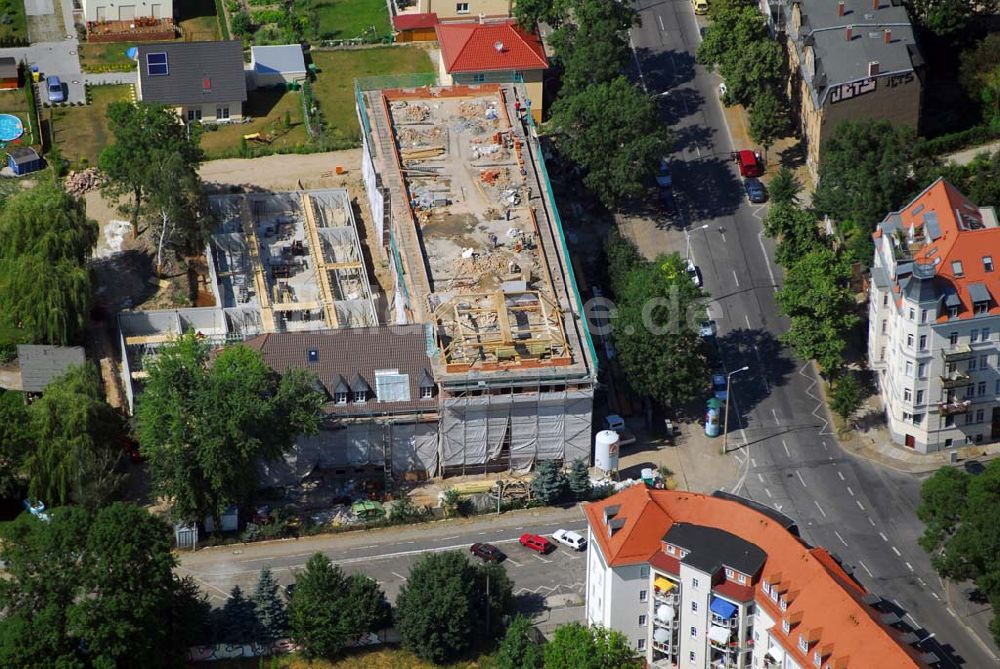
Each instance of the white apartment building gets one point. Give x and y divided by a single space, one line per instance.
934 321
716 582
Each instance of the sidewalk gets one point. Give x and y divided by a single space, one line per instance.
876 445
965 157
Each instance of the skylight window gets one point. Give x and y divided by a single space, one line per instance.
156 64
988 263
956 268
313 355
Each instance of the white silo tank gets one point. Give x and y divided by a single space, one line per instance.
606 451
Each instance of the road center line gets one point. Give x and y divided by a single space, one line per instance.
660 19
909 566
850 491
801 480
737 279
884 538
865 567
768 491
787 452
760 477
816 502
896 551
399 576
753 462
744 315
870 521
860 505
840 537
773 412
841 476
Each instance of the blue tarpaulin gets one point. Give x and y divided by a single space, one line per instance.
722 608
131 52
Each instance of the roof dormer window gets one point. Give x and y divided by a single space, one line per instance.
987 263
803 644
313 355
956 268
360 396
786 626
340 398
817 659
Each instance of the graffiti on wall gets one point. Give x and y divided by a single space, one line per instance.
852 90
231 651
899 79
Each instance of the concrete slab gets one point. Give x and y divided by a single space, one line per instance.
38 7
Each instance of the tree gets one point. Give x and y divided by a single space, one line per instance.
759 66
91 590
575 646
241 24
494 598
579 479
436 611
768 119
867 170
942 503
205 429
784 188
366 607
519 650
269 608
947 18
45 242
75 436
795 229
979 74
817 299
237 620
549 483
176 196
594 47
614 132
15 442
529 13
146 138
848 395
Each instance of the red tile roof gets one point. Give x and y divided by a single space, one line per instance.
825 597
964 239
414 21
489 47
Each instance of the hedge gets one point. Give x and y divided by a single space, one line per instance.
956 141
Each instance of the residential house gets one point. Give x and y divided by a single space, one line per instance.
203 81
718 582
476 53
934 321
41 364
450 10
849 60
100 11
277 65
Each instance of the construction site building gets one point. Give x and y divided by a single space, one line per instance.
469 227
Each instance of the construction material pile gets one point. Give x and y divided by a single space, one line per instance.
78 184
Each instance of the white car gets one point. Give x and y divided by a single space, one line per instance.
707 329
570 539
695 274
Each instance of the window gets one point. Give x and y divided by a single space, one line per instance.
643 571
956 268
974 336
817 659
803 644
642 620
949 421
981 388
952 312
979 438
694 607
730 574
984 361
313 355
909 368
340 398
969 419
909 341
222 113
881 353
918 418
922 369
968 439
980 415
194 114
923 315
996 387
694 583
907 417
912 313
907 395
972 364
691 656
986 334
953 339
156 64
923 342
885 299
426 392
643 595
641 644
920 397
987 263
478 78
694 634
981 307
885 326
360 395
947 443
970 390
786 626
783 604
741 578
461 8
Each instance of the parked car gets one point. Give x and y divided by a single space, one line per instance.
131 448
749 162
663 178
974 467
289 591
54 89
755 190
719 387
723 89
707 329
487 552
695 274
700 6
536 542
570 539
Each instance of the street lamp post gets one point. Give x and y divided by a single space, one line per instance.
725 421
687 238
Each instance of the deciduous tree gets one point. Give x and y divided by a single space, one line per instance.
15 442
947 18
848 395
205 429
979 75
942 503
519 650
768 119
575 646
784 188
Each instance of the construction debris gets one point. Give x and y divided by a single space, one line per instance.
79 184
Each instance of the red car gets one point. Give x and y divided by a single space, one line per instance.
536 542
750 163
131 448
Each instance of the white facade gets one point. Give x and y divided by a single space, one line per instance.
618 597
105 10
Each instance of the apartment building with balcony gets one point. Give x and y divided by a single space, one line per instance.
717 582
934 321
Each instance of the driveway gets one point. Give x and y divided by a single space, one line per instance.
58 58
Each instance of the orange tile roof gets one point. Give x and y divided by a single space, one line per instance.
828 601
957 243
489 47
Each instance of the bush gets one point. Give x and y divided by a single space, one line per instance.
956 141
405 511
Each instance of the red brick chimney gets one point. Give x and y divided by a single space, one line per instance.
849 33
841 8
887 35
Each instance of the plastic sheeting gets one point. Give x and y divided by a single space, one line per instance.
540 426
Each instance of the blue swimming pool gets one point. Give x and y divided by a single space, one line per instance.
10 128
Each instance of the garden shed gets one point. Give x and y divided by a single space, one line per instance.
9 75
277 65
24 160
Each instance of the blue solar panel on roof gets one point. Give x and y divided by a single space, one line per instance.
156 64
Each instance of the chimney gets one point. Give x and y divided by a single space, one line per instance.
887 35
849 33
876 4
841 8
873 68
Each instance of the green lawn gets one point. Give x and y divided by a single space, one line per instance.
197 20
94 55
81 132
347 19
334 86
13 22
268 107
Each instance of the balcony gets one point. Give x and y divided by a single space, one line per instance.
670 597
719 621
956 352
954 407
955 379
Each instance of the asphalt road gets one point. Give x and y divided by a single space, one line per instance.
789 457
549 587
